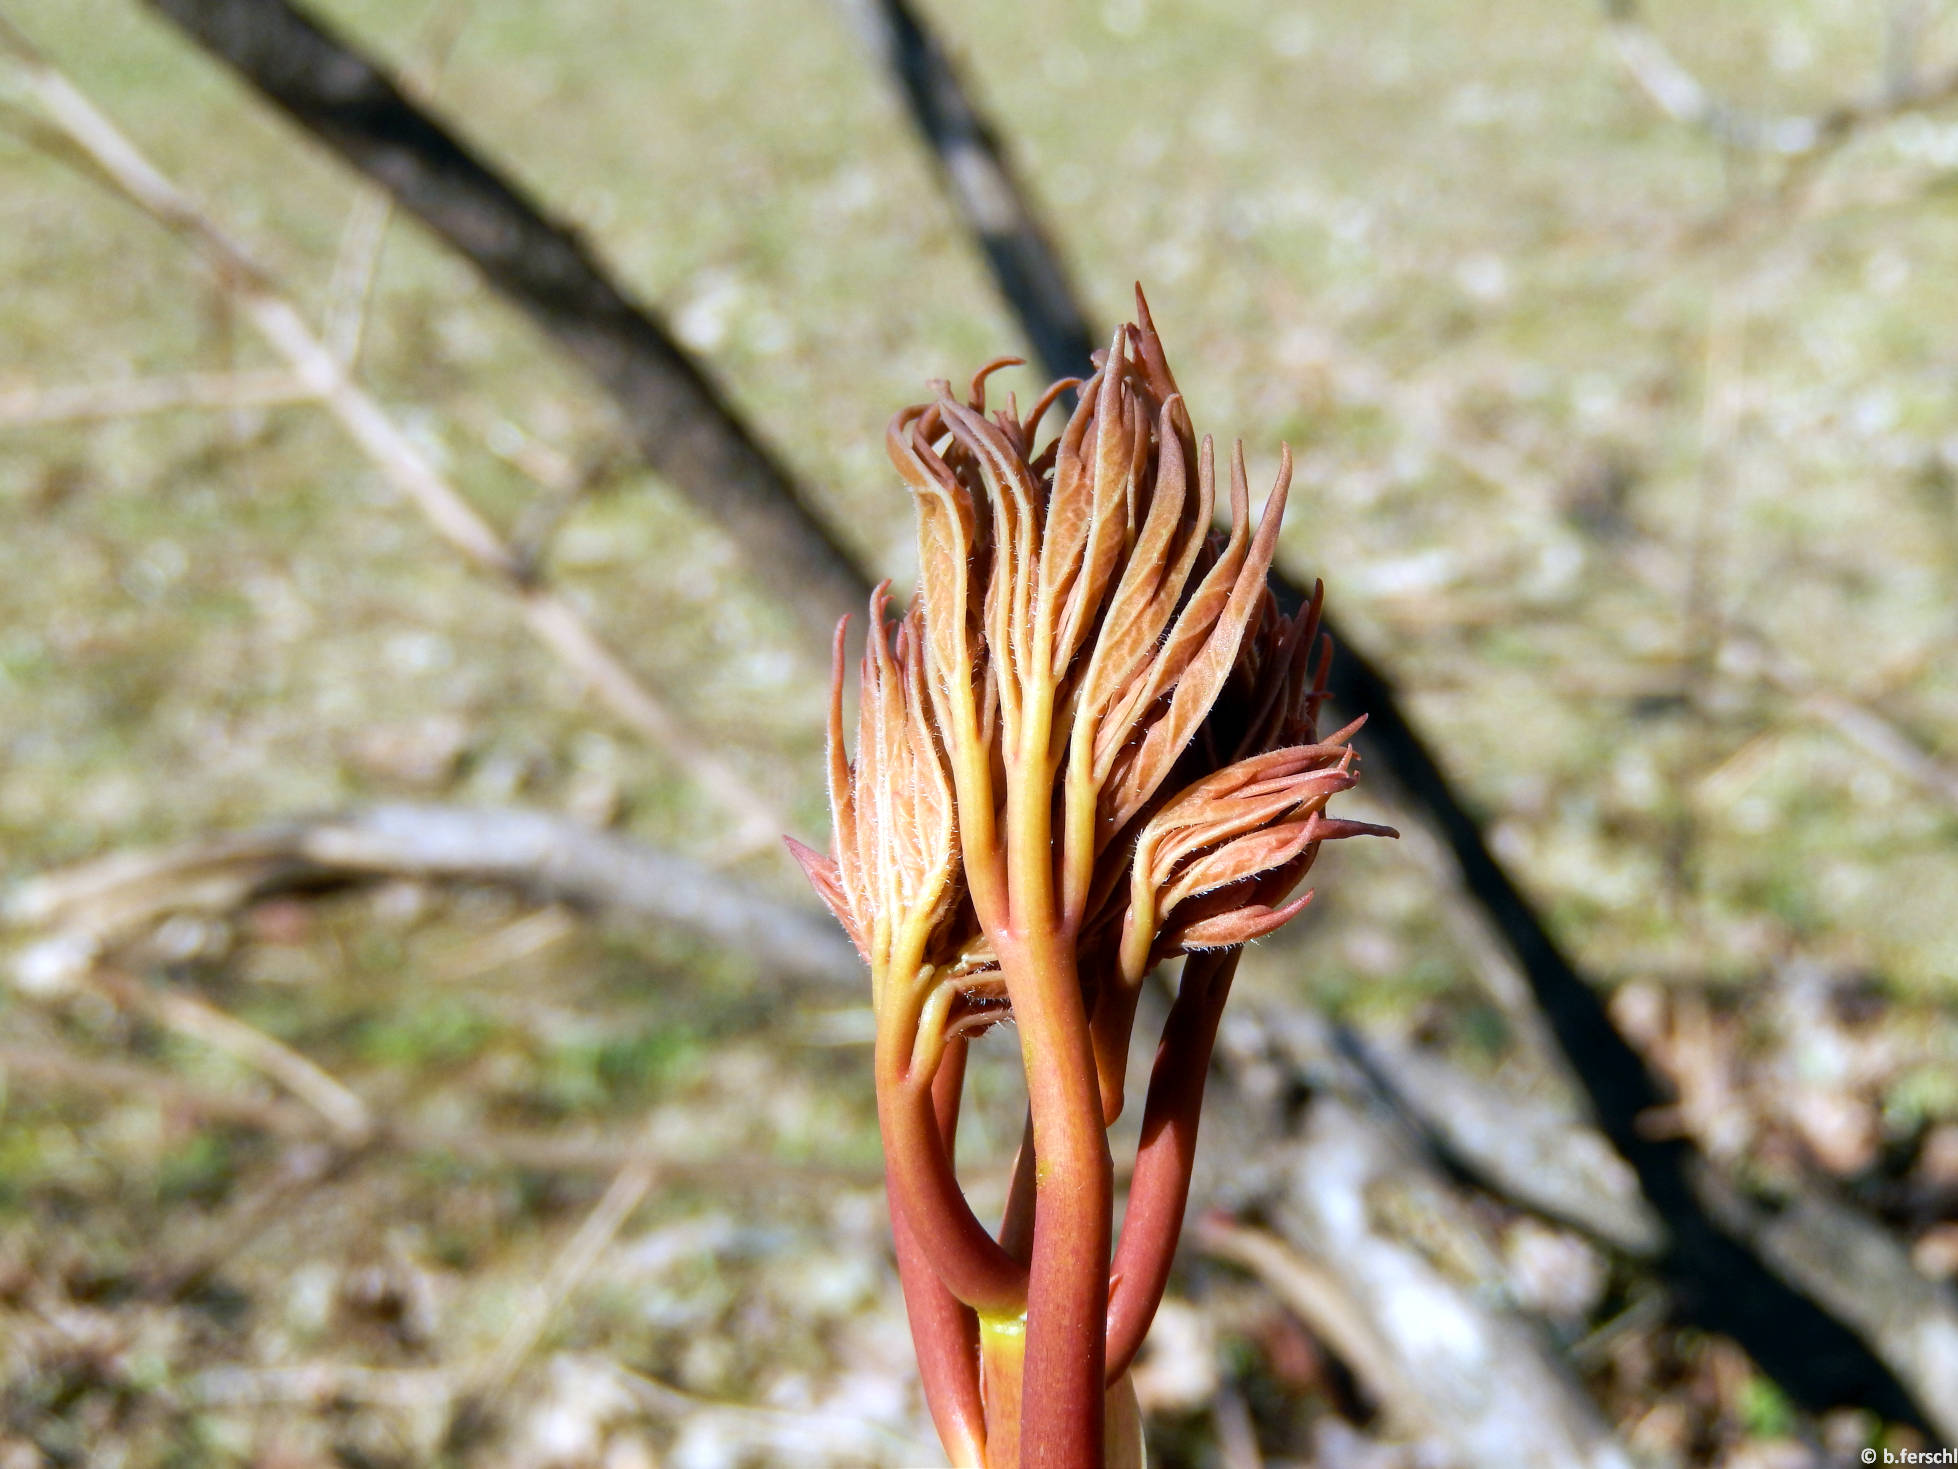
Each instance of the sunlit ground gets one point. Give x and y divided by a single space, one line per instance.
1632 466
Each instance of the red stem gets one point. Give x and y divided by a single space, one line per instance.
925 1190
945 1332
1061 1403
1159 1191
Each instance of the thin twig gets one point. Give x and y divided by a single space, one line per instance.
489 1378
1675 91
51 1064
670 406
24 407
554 620
1237 1435
1311 1292
1410 404
356 266
350 293
346 1115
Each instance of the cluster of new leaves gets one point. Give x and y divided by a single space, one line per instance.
1083 641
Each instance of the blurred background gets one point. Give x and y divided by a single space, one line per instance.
1615 349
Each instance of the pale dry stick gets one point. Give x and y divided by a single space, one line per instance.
1685 98
344 1112
550 468
33 406
107 900
1237 1435
346 1116
1679 94
1542 1155
1437 1344
565 484
1878 737
1312 1292
356 267
553 619
487 1380
1855 722
350 292
1498 466
1802 142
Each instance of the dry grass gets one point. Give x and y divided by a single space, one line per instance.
1585 411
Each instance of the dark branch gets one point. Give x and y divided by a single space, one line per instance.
678 418
975 169
1720 1281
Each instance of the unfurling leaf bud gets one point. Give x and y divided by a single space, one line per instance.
1090 745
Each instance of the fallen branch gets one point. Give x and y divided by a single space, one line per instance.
548 856
1531 1153
1320 1300
1837 1256
551 617
1726 1268
1860 1271
1445 1364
